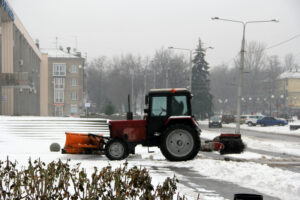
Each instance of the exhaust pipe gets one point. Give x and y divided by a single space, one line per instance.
129 114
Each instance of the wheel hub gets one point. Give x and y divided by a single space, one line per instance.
116 150
180 142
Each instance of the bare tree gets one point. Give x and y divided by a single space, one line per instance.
95 81
167 65
223 88
289 62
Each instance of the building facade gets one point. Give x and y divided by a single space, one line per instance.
20 66
65 83
289 90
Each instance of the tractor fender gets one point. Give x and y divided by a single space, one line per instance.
187 120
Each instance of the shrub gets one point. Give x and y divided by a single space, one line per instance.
58 180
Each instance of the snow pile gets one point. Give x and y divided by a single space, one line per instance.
272 181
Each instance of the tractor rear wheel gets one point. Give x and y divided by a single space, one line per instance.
180 142
116 149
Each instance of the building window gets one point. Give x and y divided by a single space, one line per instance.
74 82
59 69
59 83
74 69
74 96
58 96
59 111
74 109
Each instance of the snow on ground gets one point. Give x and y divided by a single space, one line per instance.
268 129
272 181
291 148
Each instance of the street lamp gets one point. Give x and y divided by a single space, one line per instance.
191 51
239 91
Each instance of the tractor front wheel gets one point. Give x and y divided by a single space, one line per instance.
116 149
180 142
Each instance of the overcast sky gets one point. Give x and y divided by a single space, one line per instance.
114 27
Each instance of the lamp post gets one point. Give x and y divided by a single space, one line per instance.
131 96
271 103
241 69
191 51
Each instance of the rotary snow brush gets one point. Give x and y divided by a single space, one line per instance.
232 143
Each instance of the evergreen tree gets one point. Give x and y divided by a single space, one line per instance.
202 100
109 108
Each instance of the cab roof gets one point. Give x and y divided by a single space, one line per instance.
168 91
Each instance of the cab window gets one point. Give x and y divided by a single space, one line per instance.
159 106
179 106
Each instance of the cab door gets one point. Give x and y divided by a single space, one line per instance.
157 114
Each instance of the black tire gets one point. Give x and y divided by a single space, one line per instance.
263 125
186 146
54 147
280 124
116 149
250 124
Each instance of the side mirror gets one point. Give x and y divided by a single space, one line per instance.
146 99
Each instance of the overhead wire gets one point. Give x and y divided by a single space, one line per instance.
267 48
283 42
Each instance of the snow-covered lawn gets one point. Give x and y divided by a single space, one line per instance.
268 180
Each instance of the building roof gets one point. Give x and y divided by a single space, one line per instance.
289 74
57 53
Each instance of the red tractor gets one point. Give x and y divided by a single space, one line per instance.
168 124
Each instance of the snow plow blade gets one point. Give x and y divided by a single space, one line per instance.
232 143
77 143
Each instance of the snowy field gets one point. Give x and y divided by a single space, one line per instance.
22 138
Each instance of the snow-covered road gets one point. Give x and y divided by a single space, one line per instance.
209 174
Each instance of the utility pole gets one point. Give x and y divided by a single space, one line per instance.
241 68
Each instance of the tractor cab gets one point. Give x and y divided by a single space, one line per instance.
166 106
168 102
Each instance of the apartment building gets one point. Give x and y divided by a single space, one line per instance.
65 82
289 88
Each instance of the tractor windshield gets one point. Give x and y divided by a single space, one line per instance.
179 106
